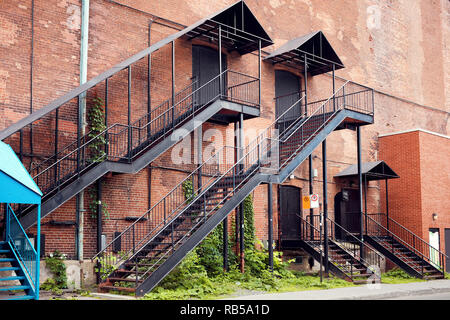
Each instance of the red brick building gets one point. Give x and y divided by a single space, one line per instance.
419 198
397 51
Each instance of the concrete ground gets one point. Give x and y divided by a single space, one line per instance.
429 290
420 290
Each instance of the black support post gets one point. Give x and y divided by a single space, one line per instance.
305 75
325 204
358 141
387 205
173 83
236 158
220 62
270 224
241 205
129 114
259 72
225 244
311 210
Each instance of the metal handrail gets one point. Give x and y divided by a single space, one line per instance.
409 246
32 277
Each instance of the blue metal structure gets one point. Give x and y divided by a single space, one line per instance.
17 186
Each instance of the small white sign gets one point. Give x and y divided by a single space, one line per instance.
314 200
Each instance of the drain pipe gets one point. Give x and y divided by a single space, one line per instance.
82 114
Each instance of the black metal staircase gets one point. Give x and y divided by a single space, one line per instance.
348 257
407 250
129 148
144 253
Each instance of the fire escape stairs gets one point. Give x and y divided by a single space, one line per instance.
14 284
142 255
403 247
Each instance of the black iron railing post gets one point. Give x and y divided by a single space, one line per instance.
129 114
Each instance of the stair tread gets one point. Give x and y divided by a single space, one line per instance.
12 278
17 297
10 288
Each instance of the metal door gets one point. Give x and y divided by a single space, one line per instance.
205 66
290 212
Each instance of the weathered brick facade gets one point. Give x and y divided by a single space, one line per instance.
398 48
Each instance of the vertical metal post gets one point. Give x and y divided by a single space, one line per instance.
365 202
241 205
220 63
311 210
325 203
259 72
106 119
173 83
270 224
199 133
334 87
387 205
56 144
38 249
236 158
129 114
358 141
305 75
225 244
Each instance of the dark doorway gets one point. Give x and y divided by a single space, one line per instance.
290 212
287 93
447 250
205 66
346 208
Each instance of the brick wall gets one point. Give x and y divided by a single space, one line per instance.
407 65
421 159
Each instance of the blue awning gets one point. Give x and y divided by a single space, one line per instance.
16 185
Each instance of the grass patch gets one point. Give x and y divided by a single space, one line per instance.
397 275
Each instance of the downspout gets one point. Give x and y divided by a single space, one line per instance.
82 112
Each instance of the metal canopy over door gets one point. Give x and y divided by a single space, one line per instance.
287 92
447 250
290 212
205 66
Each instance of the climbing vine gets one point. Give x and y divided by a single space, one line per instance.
96 119
55 263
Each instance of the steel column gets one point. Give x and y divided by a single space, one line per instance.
311 210
305 75
241 205
236 158
225 244
129 114
358 141
387 205
334 87
325 203
220 62
173 82
259 72
270 224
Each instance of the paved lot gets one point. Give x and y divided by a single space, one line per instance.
365 292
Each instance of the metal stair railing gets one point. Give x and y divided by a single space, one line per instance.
347 242
349 96
119 142
36 168
388 227
24 252
110 259
256 154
